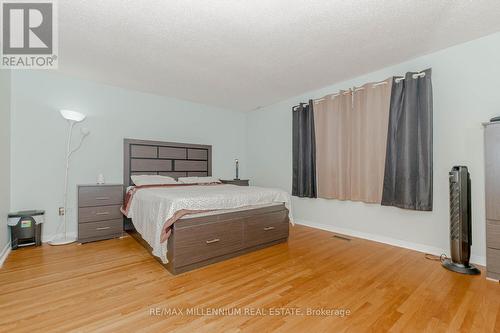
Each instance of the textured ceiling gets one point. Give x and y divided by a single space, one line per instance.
244 54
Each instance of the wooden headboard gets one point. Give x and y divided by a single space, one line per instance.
144 157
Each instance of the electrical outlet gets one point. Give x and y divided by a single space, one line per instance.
61 211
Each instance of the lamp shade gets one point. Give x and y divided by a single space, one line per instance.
72 115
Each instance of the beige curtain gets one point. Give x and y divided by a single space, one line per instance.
369 126
333 132
351 140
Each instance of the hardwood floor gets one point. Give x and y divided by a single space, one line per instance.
115 286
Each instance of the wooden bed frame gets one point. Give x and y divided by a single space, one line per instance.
200 241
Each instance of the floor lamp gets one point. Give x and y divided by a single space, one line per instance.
73 118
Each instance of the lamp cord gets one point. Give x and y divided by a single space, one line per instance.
79 145
441 258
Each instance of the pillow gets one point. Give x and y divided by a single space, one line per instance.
199 180
140 180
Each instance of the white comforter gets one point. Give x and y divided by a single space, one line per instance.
150 208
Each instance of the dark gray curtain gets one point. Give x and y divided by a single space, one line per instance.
408 165
304 151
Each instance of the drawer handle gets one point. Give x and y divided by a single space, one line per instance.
102 213
102 198
212 241
268 228
103 228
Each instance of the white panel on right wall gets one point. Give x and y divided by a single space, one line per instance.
466 92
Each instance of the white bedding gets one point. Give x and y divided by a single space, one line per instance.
150 208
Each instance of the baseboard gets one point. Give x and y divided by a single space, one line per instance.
5 253
479 260
48 238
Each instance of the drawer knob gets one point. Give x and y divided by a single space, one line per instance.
268 228
102 213
103 228
215 240
102 198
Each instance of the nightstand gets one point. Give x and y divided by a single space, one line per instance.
239 182
99 215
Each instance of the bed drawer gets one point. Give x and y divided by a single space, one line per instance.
266 228
89 196
99 213
198 243
99 230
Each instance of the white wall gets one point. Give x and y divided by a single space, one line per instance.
466 93
4 160
39 136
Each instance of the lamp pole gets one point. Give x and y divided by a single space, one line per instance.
68 155
237 169
72 117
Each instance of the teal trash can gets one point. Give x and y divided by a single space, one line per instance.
26 228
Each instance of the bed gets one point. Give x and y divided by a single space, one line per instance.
186 227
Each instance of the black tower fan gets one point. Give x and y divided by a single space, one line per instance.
460 222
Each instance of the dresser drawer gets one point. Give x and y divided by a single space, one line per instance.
493 260
100 196
266 228
493 234
198 243
100 230
99 213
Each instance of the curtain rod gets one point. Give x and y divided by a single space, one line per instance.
356 89
415 76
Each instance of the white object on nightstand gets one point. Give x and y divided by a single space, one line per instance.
100 179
